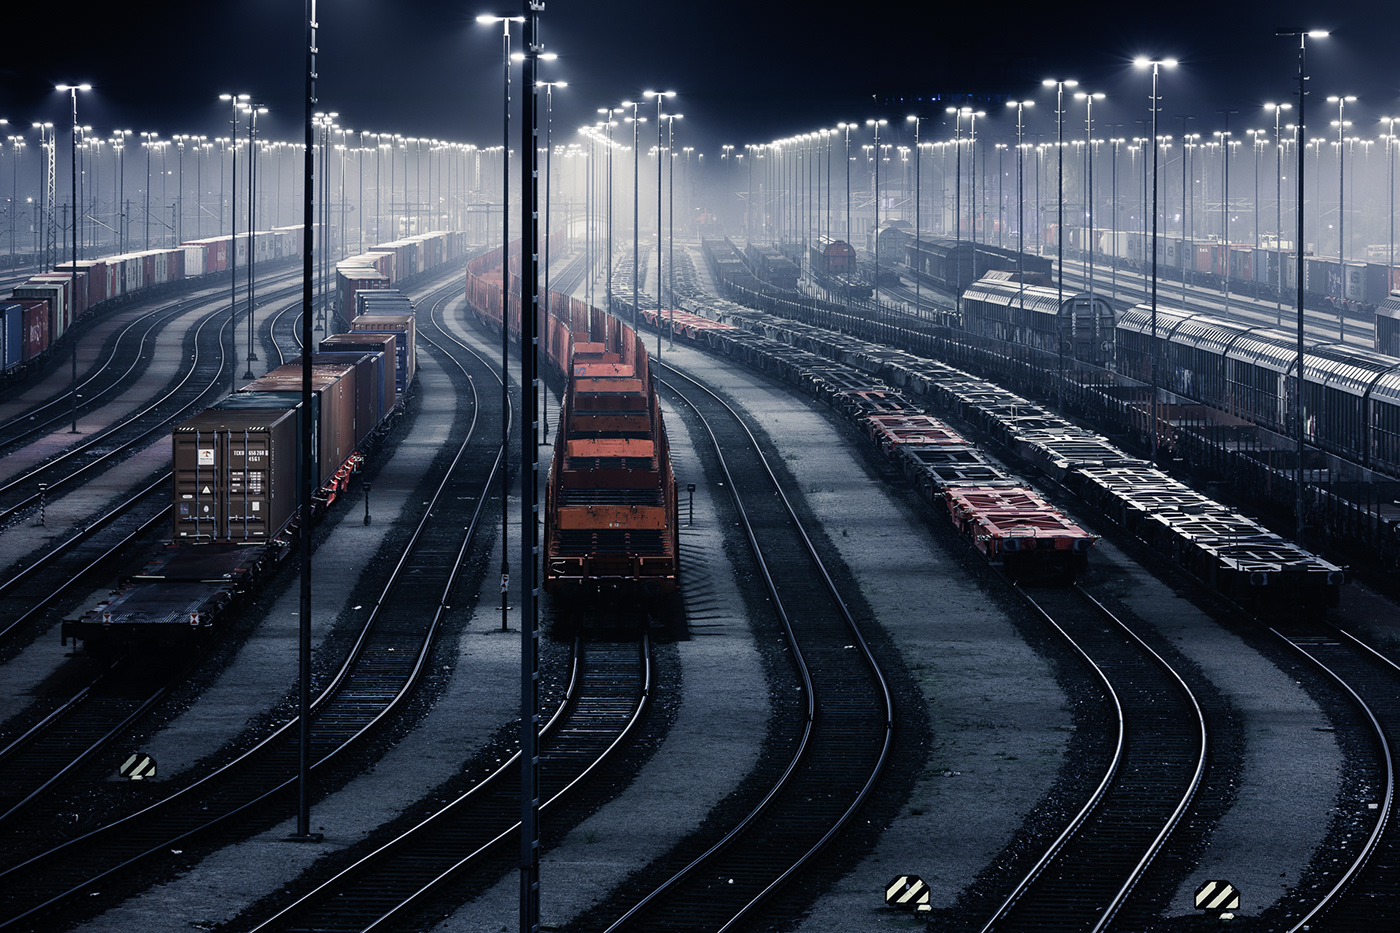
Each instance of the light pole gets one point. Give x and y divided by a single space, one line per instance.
252 110
148 141
1303 36
957 113
1190 142
918 217
1278 206
73 90
1117 142
877 124
606 258
1089 99
1225 137
670 118
16 148
846 129
1156 65
119 145
1020 106
1390 188
1059 84
234 101
636 122
505 21
48 140
549 87
1341 123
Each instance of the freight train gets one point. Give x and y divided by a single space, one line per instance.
1222 547
953 264
40 310
1002 517
1354 286
611 505
1350 401
237 475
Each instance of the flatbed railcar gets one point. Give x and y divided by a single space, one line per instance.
611 527
237 476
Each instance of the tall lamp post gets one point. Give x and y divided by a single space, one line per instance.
637 121
73 90
505 21
1278 206
1341 123
670 118
1089 99
549 87
1226 138
1020 106
1155 65
1390 189
252 110
1059 84
234 101
918 217
877 124
16 148
1303 35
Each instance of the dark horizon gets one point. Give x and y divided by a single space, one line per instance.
740 79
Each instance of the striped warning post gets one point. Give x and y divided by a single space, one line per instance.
138 767
908 892
1217 895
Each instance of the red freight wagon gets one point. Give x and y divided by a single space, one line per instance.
36 326
891 431
1017 528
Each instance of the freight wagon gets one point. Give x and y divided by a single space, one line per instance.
237 476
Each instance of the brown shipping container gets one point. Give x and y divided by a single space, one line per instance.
369 376
402 325
235 473
333 385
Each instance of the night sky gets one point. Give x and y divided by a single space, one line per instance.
745 72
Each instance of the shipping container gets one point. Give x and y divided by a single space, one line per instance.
1204 257
402 326
236 470
373 343
56 295
333 388
352 279
11 335
372 377
35 336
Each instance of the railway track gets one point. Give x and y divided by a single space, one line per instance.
1159 756
839 747
373 682
402 884
1360 886
124 356
27 597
